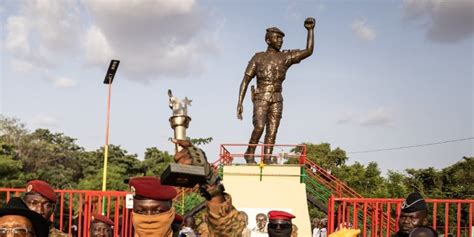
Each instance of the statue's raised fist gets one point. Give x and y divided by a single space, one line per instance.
309 23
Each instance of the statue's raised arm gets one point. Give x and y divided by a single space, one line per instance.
309 24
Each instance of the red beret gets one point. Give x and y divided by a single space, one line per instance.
42 188
280 215
100 218
178 219
151 187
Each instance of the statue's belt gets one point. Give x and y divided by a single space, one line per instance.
269 90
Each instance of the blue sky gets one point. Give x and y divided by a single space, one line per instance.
383 74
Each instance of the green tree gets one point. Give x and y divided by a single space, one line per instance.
322 155
38 155
458 179
395 185
427 181
121 166
10 166
155 161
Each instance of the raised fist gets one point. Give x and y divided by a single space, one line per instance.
309 23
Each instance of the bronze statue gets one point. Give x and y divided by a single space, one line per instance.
270 69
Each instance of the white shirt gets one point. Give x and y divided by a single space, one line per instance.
319 232
257 233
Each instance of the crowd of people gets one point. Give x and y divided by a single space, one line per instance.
154 214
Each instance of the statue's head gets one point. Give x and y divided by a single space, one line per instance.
274 38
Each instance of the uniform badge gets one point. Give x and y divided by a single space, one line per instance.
29 188
132 190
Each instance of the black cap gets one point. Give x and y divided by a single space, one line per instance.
275 30
413 203
17 207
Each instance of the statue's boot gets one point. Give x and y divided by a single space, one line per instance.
250 155
267 159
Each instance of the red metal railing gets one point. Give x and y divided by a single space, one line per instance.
379 216
75 207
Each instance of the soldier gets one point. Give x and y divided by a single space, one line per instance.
153 211
101 226
41 198
222 217
414 214
270 69
280 224
18 220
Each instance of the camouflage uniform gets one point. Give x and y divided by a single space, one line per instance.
223 220
203 230
53 232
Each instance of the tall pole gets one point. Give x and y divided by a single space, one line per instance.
109 77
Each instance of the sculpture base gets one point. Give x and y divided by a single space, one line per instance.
183 175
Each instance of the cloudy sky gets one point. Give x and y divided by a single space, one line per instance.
384 73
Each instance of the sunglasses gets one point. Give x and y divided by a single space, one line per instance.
281 226
16 232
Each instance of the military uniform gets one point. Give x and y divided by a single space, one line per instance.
224 220
203 230
270 68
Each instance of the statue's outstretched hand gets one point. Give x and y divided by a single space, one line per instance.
240 109
309 23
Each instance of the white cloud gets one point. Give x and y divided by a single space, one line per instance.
345 118
362 30
97 48
378 117
153 39
17 36
41 37
30 68
445 21
44 121
382 116
62 82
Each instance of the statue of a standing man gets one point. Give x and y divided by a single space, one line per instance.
270 68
